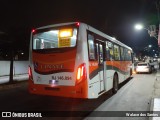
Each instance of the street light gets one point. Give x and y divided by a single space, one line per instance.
151 32
138 26
149 46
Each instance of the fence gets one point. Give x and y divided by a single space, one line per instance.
19 67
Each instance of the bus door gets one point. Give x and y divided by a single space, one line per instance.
101 64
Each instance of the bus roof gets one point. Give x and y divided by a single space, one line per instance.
56 25
91 29
108 37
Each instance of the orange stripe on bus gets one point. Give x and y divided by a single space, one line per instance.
121 65
93 65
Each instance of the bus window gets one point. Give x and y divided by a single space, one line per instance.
91 47
37 44
110 45
107 52
97 52
116 52
127 55
55 38
122 53
100 54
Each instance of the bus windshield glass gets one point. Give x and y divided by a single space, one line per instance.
55 38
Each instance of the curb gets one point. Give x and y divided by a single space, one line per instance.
155 101
151 107
5 79
155 107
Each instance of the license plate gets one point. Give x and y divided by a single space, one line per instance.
53 82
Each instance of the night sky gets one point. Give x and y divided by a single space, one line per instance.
113 17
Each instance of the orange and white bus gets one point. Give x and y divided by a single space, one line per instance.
76 60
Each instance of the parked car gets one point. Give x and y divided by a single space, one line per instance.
143 67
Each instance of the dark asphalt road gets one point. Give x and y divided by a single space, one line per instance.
17 98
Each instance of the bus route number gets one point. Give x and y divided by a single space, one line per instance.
61 78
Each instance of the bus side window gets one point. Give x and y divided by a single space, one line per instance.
122 53
116 52
110 45
101 57
127 55
97 52
107 56
91 47
37 44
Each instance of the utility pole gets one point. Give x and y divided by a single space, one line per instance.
5 39
158 6
11 66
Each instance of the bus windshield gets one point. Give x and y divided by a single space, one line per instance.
55 38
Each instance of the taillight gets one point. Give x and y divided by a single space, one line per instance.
81 73
77 24
30 73
33 30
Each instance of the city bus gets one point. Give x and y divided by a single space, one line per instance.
76 60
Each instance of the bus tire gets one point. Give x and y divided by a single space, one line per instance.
130 72
115 83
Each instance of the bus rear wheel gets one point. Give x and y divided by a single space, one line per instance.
115 84
130 72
